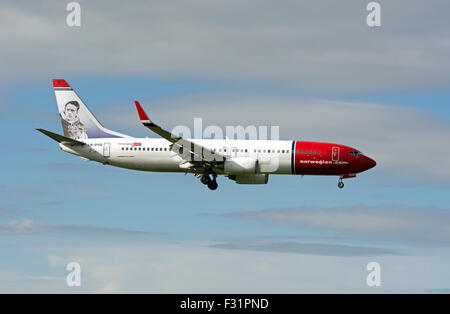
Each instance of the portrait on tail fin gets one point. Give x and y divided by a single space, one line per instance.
71 123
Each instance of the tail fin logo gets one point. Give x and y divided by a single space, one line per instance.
71 123
77 121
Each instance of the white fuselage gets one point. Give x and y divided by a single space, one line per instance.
150 154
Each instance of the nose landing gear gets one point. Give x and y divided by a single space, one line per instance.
345 176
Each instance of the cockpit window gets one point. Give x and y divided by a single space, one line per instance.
355 152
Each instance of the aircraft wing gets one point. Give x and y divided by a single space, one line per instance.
198 155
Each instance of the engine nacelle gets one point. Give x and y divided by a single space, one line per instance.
251 179
241 165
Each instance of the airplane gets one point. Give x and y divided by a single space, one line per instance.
243 161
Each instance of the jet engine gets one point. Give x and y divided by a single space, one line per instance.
250 178
241 165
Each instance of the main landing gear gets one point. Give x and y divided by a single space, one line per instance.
211 183
340 183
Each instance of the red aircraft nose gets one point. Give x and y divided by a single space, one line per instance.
369 163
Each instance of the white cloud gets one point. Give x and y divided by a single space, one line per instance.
394 223
28 226
195 267
295 246
313 45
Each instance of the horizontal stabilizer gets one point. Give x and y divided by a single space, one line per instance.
61 139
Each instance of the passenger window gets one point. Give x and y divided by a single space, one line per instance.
282 151
165 149
310 152
245 150
314 151
318 151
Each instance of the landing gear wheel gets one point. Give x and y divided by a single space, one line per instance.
212 185
340 184
205 179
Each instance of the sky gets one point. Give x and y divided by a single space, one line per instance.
314 69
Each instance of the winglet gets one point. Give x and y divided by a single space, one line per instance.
142 115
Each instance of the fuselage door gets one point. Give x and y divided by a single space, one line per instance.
335 153
106 149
